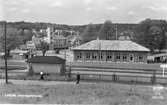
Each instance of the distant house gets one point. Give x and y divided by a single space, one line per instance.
126 35
18 54
30 45
59 42
74 40
58 39
111 50
47 64
36 40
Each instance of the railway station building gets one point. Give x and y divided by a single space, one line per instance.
111 51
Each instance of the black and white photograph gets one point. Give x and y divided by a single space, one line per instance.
83 52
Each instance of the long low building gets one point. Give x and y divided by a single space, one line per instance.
111 50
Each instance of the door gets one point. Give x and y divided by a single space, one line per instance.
131 57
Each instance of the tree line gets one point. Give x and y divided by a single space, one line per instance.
149 32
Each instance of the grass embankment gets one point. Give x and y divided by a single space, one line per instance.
108 94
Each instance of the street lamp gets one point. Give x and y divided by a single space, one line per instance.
6 73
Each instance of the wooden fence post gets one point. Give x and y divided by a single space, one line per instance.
153 78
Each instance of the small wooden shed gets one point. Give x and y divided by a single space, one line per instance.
47 64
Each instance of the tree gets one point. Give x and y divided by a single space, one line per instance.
44 47
107 31
12 40
151 33
27 35
89 34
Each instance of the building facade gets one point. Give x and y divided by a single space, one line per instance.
37 40
59 42
74 40
55 39
111 51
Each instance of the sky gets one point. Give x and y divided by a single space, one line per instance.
79 12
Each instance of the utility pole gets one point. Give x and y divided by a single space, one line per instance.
6 73
116 33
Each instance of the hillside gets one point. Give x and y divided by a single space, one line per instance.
29 25
150 33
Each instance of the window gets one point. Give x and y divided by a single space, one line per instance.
94 55
79 55
124 57
118 57
109 56
88 55
100 55
131 57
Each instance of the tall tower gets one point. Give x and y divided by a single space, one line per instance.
116 32
48 30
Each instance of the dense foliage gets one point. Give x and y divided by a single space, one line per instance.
89 34
150 33
107 31
13 40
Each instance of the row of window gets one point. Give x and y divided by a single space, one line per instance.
109 56
60 40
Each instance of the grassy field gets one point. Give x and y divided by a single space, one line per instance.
101 93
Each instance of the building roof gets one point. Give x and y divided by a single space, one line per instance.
112 45
46 60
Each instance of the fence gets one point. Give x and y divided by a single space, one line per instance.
130 75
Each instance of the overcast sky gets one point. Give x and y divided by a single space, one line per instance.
82 11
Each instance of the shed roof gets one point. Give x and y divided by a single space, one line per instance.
19 51
113 45
46 60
